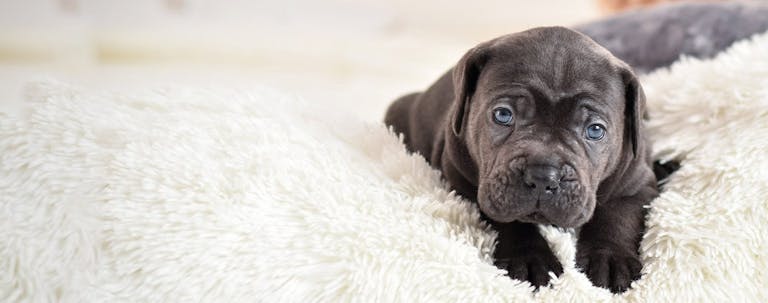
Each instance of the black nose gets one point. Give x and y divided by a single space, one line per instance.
543 179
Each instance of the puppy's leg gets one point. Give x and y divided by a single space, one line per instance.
608 244
524 253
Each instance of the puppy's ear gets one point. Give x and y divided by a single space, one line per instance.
465 76
634 109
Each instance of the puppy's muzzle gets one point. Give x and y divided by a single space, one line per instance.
548 190
545 191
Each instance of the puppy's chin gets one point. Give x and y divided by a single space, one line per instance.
571 221
537 217
499 215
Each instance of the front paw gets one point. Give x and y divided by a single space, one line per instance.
529 264
611 268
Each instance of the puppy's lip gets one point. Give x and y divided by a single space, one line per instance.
505 219
536 217
580 219
499 216
576 222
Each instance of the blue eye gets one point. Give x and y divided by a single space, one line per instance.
595 132
502 116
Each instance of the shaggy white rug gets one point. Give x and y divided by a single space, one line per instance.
205 195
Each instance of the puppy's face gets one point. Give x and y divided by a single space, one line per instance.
549 116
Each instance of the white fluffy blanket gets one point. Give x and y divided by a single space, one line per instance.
200 195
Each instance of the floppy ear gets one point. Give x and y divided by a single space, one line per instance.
634 108
465 76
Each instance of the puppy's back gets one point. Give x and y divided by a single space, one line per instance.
422 117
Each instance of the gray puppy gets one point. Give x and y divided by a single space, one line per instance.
543 126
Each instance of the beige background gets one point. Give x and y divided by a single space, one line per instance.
349 55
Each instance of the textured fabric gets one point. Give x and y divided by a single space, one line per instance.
207 195
655 37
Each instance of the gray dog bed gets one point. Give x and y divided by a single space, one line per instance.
651 38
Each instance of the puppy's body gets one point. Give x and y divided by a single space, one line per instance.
422 119
507 128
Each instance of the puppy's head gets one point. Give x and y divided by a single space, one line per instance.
547 116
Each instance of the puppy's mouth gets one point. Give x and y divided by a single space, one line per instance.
537 217
505 197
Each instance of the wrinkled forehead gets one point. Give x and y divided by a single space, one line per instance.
555 71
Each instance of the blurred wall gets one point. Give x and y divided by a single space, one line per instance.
113 29
335 51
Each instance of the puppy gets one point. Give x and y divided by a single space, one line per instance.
542 127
